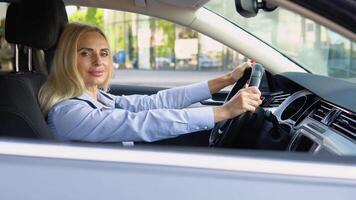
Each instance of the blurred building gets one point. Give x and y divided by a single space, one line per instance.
151 43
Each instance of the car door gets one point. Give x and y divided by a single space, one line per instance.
36 171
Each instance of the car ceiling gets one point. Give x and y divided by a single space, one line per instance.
337 15
195 4
341 11
191 4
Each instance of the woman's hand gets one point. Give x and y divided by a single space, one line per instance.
247 99
238 71
230 78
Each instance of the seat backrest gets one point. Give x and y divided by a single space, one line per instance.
20 115
36 24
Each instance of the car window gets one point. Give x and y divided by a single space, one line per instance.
6 50
310 44
155 52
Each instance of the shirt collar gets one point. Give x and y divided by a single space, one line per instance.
104 100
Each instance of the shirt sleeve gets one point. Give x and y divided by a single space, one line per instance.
79 122
174 98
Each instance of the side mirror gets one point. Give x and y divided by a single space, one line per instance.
249 8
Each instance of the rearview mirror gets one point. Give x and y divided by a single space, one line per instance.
249 8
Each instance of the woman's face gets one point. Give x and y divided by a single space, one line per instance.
93 59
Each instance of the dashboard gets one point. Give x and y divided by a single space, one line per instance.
319 117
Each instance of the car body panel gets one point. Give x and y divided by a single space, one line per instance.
84 172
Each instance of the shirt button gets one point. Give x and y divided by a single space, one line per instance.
205 127
197 128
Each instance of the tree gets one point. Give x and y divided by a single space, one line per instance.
167 46
89 15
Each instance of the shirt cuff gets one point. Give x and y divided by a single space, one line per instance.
201 118
198 92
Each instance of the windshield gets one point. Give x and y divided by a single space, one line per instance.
313 46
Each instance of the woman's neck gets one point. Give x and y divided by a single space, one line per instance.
91 91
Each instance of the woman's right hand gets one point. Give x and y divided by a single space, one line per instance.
246 99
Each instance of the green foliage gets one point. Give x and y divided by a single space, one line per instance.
91 16
167 46
2 27
187 33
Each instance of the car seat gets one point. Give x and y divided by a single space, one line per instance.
34 24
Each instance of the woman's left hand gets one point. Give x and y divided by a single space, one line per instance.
238 71
230 78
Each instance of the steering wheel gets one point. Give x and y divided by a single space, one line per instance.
236 132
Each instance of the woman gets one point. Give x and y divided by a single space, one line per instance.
78 108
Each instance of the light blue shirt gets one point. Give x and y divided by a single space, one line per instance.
132 118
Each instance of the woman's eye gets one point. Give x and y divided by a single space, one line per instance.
104 54
84 53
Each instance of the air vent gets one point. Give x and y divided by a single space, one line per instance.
275 99
321 110
345 123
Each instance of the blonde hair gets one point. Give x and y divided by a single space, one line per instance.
65 81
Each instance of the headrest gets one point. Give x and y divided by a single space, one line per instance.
35 23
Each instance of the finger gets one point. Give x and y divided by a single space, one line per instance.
253 89
250 108
253 103
254 97
246 65
249 62
243 66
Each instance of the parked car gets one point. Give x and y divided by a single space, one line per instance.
301 144
164 62
208 62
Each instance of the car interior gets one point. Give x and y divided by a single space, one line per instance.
20 113
298 114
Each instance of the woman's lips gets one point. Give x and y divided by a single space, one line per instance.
96 73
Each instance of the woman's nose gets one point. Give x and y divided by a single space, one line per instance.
97 60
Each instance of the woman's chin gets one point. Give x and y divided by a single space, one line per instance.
96 82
